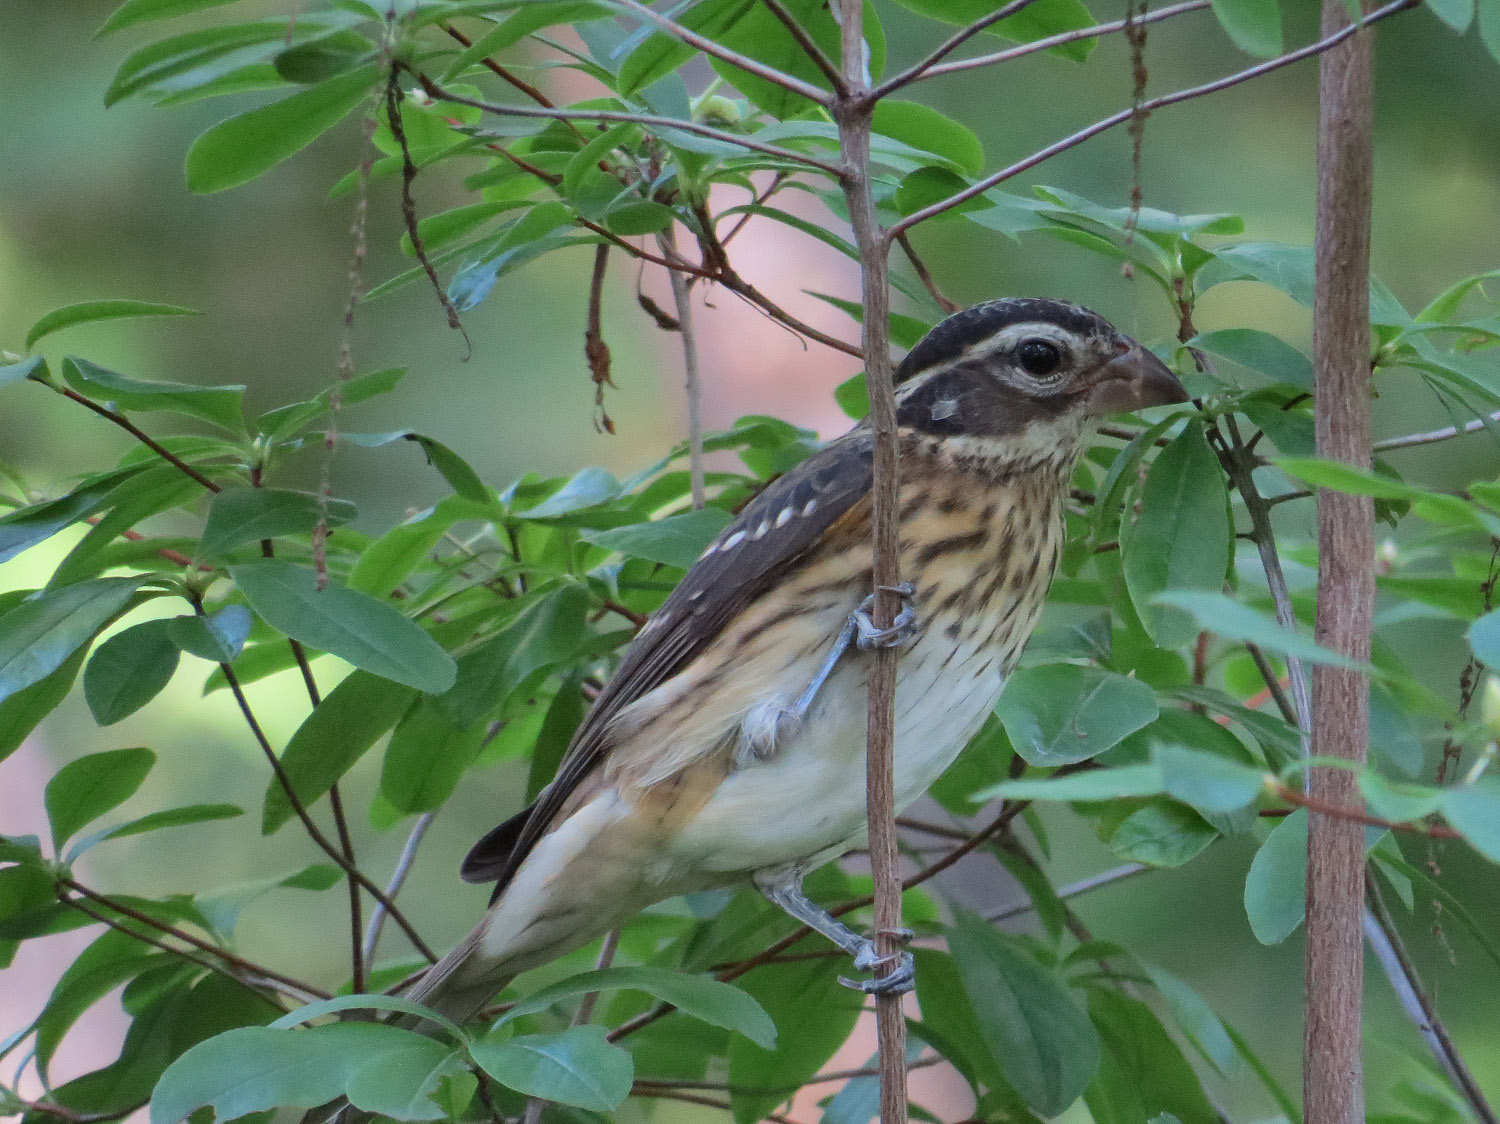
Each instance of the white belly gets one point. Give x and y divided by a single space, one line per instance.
806 801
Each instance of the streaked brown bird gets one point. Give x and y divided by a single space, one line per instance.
730 743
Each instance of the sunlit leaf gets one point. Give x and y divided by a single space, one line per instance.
88 312
217 404
45 629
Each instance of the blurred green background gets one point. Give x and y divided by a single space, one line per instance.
92 204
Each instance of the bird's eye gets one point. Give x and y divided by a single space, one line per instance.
1039 357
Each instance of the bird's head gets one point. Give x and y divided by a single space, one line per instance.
1025 377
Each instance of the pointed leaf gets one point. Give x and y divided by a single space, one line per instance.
87 788
577 1066
217 404
349 720
219 637
244 515
239 149
129 670
45 629
353 626
89 312
1231 620
677 540
1254 25
134 12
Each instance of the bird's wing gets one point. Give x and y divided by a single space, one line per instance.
772 533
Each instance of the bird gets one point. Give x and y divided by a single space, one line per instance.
729 744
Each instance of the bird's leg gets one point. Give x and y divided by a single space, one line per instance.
861 631
782 887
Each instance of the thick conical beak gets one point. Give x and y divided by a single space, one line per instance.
1133 381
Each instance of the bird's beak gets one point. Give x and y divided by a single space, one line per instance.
1133 381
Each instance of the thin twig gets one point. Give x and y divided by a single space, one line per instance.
247 967
925 275
1063 38
393 887
692 379
1432 436
140 435
1074 889
809 48
928 66
503 73
648 120
1385 942
312 829
1124 115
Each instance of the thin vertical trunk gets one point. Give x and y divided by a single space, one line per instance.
853 113
1332 1069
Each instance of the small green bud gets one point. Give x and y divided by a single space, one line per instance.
716 109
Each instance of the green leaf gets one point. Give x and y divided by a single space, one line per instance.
813 1014
1035 21
1041 1040
27 526
1484 638
1182 537
1205 780
1474 809
1457 14
1276 886
253 1069
1228 619
219 405
454 469
427 756
705 998
577 1066
316 1010
243 515
1290 269
1259 351
1142 1074
87 788
20 713
677 540
353 626
331 739
87 312
157 821
659 53
589 487
1489 27
134 12
1056 714
1197 1021
239 149
48 627
1254 25
1093 784
923 127
129 670
1346 478
1162 833
545 633
221 907
1393 800
219 637
390 559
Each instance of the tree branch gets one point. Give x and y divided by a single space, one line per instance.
691 377
393 887
1332 1070
926 67
139 434
648 120
1411 440
1062 38
809 48
1150 106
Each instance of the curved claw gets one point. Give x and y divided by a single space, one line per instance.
902 629
898 981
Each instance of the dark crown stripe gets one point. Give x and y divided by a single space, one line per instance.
961 331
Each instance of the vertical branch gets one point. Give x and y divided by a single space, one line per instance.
853 110
694 386
1332 1069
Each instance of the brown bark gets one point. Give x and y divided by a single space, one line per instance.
1332 1067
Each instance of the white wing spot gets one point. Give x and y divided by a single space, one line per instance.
785 517
713 546
810 508
733 540
760 532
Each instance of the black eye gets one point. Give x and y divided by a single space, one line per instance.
1039 357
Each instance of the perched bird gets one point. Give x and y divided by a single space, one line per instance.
730 743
